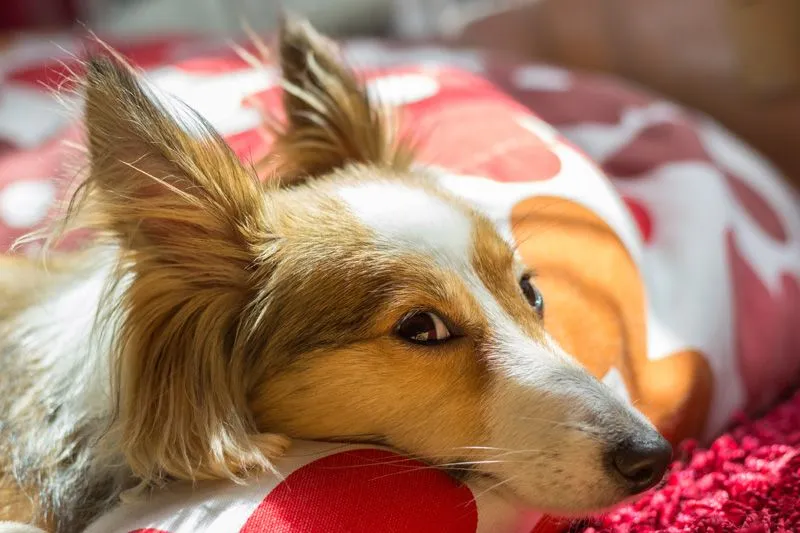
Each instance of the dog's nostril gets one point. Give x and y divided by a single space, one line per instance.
642 462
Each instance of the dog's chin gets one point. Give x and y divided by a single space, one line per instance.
502 488
583 511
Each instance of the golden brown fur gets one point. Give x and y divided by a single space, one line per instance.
191 243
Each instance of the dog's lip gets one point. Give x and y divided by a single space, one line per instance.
474 474
502 483
466 472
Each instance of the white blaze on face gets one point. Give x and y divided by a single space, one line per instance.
414 219
420 222
523 359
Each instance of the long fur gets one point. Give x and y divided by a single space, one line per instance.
183 222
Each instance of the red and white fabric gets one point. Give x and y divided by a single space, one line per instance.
700 213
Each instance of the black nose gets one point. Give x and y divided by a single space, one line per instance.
641 462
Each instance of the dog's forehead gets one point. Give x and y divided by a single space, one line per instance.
412 218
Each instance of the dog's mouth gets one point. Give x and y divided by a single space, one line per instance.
463 471
466 472
513 487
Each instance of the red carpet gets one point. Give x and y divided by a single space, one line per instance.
747 481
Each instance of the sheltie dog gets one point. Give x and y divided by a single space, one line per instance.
352 297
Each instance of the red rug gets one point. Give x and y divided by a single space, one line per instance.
748 480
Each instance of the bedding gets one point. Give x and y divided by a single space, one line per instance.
688 240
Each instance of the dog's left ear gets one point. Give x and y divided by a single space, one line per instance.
331 120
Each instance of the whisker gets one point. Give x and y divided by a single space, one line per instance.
582 428
485 462
412 470
480 448
401 460
513 452
416 468
496 486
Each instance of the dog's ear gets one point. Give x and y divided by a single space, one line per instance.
331 120
159 173
190 221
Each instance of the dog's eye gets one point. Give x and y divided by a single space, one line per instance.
423 328
532 294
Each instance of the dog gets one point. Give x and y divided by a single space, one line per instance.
354 297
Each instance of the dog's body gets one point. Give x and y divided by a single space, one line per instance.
213 317
57 389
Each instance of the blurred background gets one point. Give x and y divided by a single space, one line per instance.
738 60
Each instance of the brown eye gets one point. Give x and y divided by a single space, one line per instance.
532 294
423 328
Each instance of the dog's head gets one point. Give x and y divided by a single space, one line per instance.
351 298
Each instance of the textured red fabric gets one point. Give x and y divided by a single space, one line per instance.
747 481
312 500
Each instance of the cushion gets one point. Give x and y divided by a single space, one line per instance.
655 234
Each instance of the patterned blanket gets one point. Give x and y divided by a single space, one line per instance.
668 252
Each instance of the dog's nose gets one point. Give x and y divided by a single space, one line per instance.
641 462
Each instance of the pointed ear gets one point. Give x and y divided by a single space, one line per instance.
191 223
331 119
156 164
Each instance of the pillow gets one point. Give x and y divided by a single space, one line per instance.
667 252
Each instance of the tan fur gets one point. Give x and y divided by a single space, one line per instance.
15 504
378 371
202 240
23 281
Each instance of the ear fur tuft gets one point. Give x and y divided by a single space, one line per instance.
331 120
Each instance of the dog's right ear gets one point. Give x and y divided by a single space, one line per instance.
331 120
192 226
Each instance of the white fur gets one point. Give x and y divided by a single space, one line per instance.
413 219
60 333
522 358
613 379
17 527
